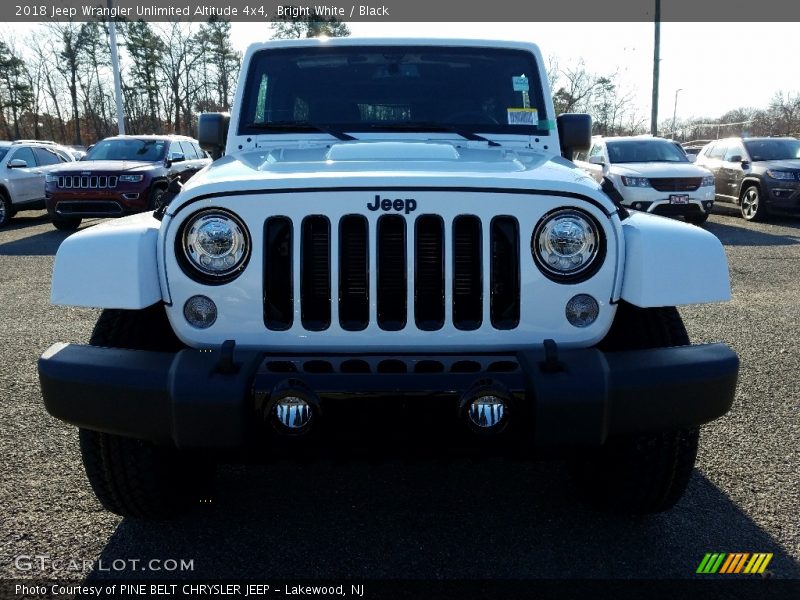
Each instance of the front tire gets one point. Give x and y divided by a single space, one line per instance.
137 478
697 219
157 198
751 204
6 212
68 224
644 473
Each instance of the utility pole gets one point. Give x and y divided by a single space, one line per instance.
656 59
675 112
112 29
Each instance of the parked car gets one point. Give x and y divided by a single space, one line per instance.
760 175
650 174
22 175
66 151
357 265
693 147
119 176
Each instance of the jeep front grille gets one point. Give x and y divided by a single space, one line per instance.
676 184
430 246
87 181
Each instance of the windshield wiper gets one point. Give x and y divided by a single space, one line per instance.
302 126
421 126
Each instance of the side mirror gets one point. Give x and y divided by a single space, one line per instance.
17 163
212 132
176 157
692 157
597 160
736 158
574 133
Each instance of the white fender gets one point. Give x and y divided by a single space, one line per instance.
111 265
668 263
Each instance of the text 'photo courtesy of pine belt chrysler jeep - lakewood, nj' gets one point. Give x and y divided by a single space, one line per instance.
391 253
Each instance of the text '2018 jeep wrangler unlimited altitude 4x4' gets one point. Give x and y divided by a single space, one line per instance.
393 229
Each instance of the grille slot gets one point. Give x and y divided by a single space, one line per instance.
676 184
86 182
504 278
353 273
315 273
467 273
278 276
392 285
429 273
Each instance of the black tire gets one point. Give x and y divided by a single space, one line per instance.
751 204
6 212
67 224
697 219
157 197
646 473
136 478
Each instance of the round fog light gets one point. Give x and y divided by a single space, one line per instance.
487 411
582 310
200 312
292 412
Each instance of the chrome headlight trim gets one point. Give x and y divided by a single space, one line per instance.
213 246
568 245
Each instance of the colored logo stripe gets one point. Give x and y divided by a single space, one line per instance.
734 562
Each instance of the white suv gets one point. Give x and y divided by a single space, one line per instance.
650 174
22 171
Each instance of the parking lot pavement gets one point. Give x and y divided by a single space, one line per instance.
481 519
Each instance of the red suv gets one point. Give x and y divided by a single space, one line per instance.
119 176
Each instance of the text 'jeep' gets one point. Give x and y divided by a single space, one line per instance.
392 242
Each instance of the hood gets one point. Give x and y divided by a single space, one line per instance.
106 166
659 169
789 164
395 163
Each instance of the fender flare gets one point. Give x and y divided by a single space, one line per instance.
111 265
669 263
745 183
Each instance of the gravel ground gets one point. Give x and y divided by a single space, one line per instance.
400 520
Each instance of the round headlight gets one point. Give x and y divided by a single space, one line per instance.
566 244
216 244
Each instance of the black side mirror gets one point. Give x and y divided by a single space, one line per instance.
736 158
212 132
574 132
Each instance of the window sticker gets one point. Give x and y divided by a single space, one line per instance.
520 84
523 116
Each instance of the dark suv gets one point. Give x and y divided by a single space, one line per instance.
120 176
761 175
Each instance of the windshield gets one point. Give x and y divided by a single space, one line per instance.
3 152
638 151
128 149
774 149
389 87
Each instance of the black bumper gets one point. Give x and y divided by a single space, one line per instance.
197 399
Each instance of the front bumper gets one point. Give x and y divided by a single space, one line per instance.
125 200
211 399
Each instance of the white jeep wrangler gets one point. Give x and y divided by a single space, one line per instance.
395 230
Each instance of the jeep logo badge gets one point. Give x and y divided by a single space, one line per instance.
407 206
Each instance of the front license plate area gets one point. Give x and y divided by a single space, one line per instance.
679 199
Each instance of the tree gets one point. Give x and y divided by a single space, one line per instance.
785 109
312 25
145 48
15 91
220 63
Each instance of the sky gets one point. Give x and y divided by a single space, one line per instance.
717 66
